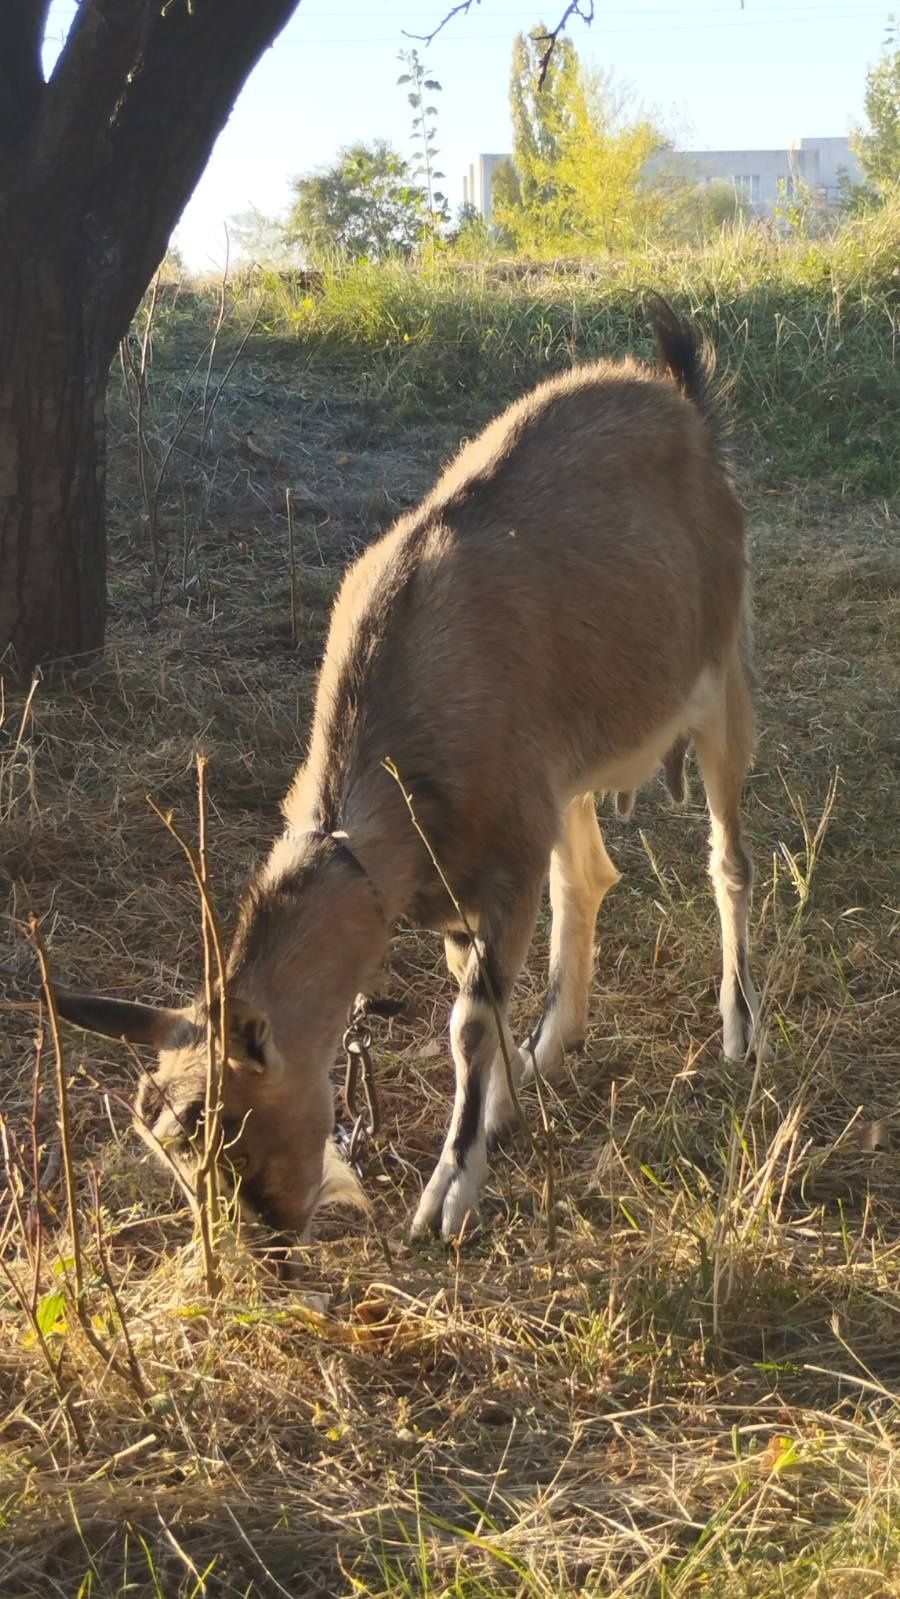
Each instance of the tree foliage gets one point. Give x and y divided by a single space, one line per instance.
366 204
538 113
260 239
580 180
878 147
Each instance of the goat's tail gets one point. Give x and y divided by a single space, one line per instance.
689 360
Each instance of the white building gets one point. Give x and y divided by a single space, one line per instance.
760 176
757 175
478 180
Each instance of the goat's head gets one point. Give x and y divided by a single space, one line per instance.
276 1116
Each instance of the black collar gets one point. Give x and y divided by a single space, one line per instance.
342 851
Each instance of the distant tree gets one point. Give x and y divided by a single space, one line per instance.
718 205
538 111
469 236
506 187
579 178
878 147
256 237
605 195
364 204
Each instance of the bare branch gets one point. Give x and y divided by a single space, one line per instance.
426 38
194 61
575 8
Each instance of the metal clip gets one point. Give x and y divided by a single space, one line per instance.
357 1043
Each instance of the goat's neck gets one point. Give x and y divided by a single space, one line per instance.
374 827
311 935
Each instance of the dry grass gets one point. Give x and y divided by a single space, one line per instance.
698 1392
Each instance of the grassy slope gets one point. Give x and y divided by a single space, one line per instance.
696 1391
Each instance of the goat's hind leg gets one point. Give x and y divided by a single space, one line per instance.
486 980
457 949
581 873
724 745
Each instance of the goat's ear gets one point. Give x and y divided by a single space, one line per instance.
157 1026
251 1047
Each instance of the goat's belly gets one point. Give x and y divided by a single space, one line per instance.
634 766
630 771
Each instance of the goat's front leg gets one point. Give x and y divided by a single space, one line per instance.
486 983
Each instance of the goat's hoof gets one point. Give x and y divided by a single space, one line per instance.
753 1051
449 1205
548 1054
501 1122
497 1137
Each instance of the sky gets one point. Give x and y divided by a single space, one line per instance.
718 74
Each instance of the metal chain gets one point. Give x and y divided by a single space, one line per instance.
359 1072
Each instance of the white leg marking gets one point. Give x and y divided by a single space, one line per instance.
723 748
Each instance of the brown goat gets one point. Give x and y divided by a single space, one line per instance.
561 613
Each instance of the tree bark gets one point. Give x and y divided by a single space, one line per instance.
52 453
95 168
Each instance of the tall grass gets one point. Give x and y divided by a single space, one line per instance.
808 329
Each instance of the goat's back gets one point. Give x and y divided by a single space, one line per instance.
552 602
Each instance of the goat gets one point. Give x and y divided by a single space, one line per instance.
563 610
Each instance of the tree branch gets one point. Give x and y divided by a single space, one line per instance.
192 59
22 24
464 7
575 8
88 82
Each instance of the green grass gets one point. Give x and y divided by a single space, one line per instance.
807 329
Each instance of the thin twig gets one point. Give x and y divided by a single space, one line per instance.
36 1167
210 1150
62 1091
257 1556
217 328
9 761
150 498
208 1176
575 8
228 371
82 1311
134 1369
292 563
15 1188
463 9
30 1303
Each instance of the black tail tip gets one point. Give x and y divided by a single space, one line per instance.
677 345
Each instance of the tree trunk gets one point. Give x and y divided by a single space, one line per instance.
95 167
53 367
